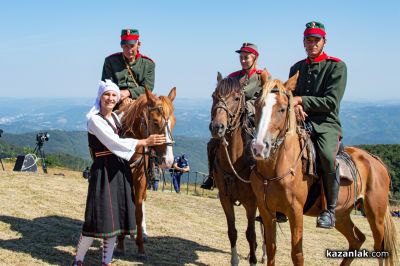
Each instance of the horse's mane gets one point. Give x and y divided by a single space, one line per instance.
272 84
135 112
227 86
167 105
277 84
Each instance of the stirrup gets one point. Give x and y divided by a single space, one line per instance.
208 183
326 220
281 218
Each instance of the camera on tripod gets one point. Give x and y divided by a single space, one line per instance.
42 137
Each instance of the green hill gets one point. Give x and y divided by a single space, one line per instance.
70 149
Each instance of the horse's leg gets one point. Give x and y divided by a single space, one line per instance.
354 236
296 228
232 232
139 217
269 234
120 247
264 245
251 209
375 212
144 226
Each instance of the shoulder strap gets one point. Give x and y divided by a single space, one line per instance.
130 72
115 128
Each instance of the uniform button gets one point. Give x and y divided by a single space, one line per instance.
308 81
308 90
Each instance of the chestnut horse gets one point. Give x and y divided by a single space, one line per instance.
147 115
281 186
231 167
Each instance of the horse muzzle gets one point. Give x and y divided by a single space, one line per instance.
218 130
260 149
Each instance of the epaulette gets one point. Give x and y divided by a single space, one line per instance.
259 71
333 59
147 58
235 74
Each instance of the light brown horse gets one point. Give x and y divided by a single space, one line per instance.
147 115
231 168
280 185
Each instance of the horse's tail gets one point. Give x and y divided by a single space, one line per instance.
390 239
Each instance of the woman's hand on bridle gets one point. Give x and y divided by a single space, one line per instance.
152 140
155 140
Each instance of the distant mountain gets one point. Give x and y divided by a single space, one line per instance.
21 119
363 122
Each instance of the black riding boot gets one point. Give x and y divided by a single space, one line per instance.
211 150
331 187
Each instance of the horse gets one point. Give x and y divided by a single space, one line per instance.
231 169
280 184
147 115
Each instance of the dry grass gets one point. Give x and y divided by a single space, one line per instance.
41 216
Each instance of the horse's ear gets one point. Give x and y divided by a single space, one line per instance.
149 94
265 76
292 82
172 94
219 77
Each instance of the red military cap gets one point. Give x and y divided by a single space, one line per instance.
129 36
248 48
316 29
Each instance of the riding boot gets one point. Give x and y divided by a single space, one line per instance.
211 152
331 188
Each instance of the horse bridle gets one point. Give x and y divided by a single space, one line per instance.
160 110
233 123
279 140
233 118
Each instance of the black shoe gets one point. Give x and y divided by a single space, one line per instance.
281 218
208 183
326 220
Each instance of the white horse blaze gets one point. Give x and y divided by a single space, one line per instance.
265 120
169 154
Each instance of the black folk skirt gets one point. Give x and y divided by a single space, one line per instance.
110 208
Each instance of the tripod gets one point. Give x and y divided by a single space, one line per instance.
2 165
40 154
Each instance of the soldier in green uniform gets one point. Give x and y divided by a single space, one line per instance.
248 55
320 88
129 69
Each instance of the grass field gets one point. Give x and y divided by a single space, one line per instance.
41 217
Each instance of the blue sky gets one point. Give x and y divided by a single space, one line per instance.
57 48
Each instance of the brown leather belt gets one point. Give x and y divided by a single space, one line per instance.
102 153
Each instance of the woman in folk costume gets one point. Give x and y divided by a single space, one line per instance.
110 209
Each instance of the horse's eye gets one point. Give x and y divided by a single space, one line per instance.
282 110
237 98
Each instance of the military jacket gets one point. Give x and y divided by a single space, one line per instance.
143 69
252 85
321 85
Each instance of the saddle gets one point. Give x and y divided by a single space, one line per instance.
346 168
